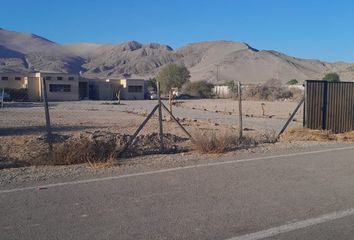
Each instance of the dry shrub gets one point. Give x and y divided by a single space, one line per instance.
297 94
345 137
110 162
260 137
270 90
213 142
76 151
305 134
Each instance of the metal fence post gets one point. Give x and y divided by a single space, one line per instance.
47 117
160 118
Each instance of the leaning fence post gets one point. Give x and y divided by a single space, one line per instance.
291 117
47 117
240 109
160 117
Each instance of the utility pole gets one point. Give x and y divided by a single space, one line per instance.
217 72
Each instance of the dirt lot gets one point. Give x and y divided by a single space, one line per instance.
22 125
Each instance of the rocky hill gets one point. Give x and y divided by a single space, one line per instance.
27 52
232 60
126 59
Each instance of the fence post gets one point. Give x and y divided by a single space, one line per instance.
291 117
47 117
240 109
2 98
170 102
160 117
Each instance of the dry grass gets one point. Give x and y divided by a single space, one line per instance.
110 162
304 134
96 153
259 137
221 142
213 142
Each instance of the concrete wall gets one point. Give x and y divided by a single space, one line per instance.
58 83
222 91
34 88
133 89
33 83
14 80
130 89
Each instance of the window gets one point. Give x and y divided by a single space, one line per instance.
71 78
4 78
18 78
48 78
59 88
59 78
135 88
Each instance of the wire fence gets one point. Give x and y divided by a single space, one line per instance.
31 130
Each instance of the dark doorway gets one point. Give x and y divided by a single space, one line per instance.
83 90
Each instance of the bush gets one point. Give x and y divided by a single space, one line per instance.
212 142
293 82
331 77
151 84
200 89
78 151
221 142
271 90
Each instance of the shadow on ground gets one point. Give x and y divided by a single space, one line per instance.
18 131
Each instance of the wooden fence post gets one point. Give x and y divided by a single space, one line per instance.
47 117
160 118
240 109
170 102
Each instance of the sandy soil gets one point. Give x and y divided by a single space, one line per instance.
275 109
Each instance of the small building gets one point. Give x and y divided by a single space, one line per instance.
72 87
222 91
130 89
60 86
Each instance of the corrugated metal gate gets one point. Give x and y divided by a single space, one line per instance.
329 105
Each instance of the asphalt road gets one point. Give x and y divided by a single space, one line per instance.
297 196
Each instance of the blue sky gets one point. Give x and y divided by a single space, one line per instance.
302 28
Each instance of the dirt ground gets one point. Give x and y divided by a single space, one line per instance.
22 125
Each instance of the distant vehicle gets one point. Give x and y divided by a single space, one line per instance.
153 96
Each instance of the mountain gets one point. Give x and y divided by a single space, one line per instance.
126 59
28 52
205 60
240 62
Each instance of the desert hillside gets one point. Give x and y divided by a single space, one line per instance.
234 60
26 52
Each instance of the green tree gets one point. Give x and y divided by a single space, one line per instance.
201 89
151 84
232 86
172 75
331 77
292 82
